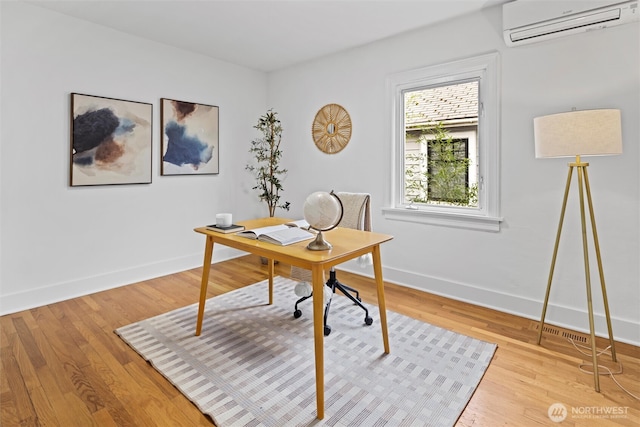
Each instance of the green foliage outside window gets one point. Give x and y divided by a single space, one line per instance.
438 174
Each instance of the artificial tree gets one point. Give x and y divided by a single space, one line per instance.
267 155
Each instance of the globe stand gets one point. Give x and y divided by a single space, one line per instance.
319 244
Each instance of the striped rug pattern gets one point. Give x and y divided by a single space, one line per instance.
253 364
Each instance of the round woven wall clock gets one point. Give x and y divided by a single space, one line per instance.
331 128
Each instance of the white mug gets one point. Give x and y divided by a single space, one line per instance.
224 220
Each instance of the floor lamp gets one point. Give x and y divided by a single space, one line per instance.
580 133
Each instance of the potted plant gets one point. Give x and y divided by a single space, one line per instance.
266 169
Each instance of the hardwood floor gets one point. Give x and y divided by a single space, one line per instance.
62 364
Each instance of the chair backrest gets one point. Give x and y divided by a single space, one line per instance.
356 210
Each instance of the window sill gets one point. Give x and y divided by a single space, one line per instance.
447 219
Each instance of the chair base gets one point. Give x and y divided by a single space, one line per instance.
347 291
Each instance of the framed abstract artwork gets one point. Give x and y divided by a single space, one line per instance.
110 141
190 135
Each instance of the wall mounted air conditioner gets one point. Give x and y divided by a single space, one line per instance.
529 21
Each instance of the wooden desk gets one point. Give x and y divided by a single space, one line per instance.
347 244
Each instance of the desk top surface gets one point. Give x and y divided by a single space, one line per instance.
347 244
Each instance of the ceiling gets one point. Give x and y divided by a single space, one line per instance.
265 35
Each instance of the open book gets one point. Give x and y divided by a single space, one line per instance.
302 223
285 234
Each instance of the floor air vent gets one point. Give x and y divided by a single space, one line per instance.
562 333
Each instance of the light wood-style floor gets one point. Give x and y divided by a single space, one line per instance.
62 364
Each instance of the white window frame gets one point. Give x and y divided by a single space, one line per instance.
485 217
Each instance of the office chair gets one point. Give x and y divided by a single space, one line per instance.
357 215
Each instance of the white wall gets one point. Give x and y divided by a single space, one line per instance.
60 241
507 270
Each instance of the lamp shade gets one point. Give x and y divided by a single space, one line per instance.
578 133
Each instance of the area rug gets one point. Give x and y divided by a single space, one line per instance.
253 364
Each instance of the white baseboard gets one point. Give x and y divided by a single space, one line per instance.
57 292
624 330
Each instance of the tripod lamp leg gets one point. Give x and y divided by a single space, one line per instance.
555 253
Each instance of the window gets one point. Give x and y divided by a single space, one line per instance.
445 136
440 150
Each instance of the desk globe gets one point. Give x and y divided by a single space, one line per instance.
323 211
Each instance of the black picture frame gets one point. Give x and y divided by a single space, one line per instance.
111 141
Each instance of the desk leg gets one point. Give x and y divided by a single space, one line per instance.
377 268
206 267
318 333
271 272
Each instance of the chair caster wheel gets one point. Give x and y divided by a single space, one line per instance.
327 330
368 320
297 313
